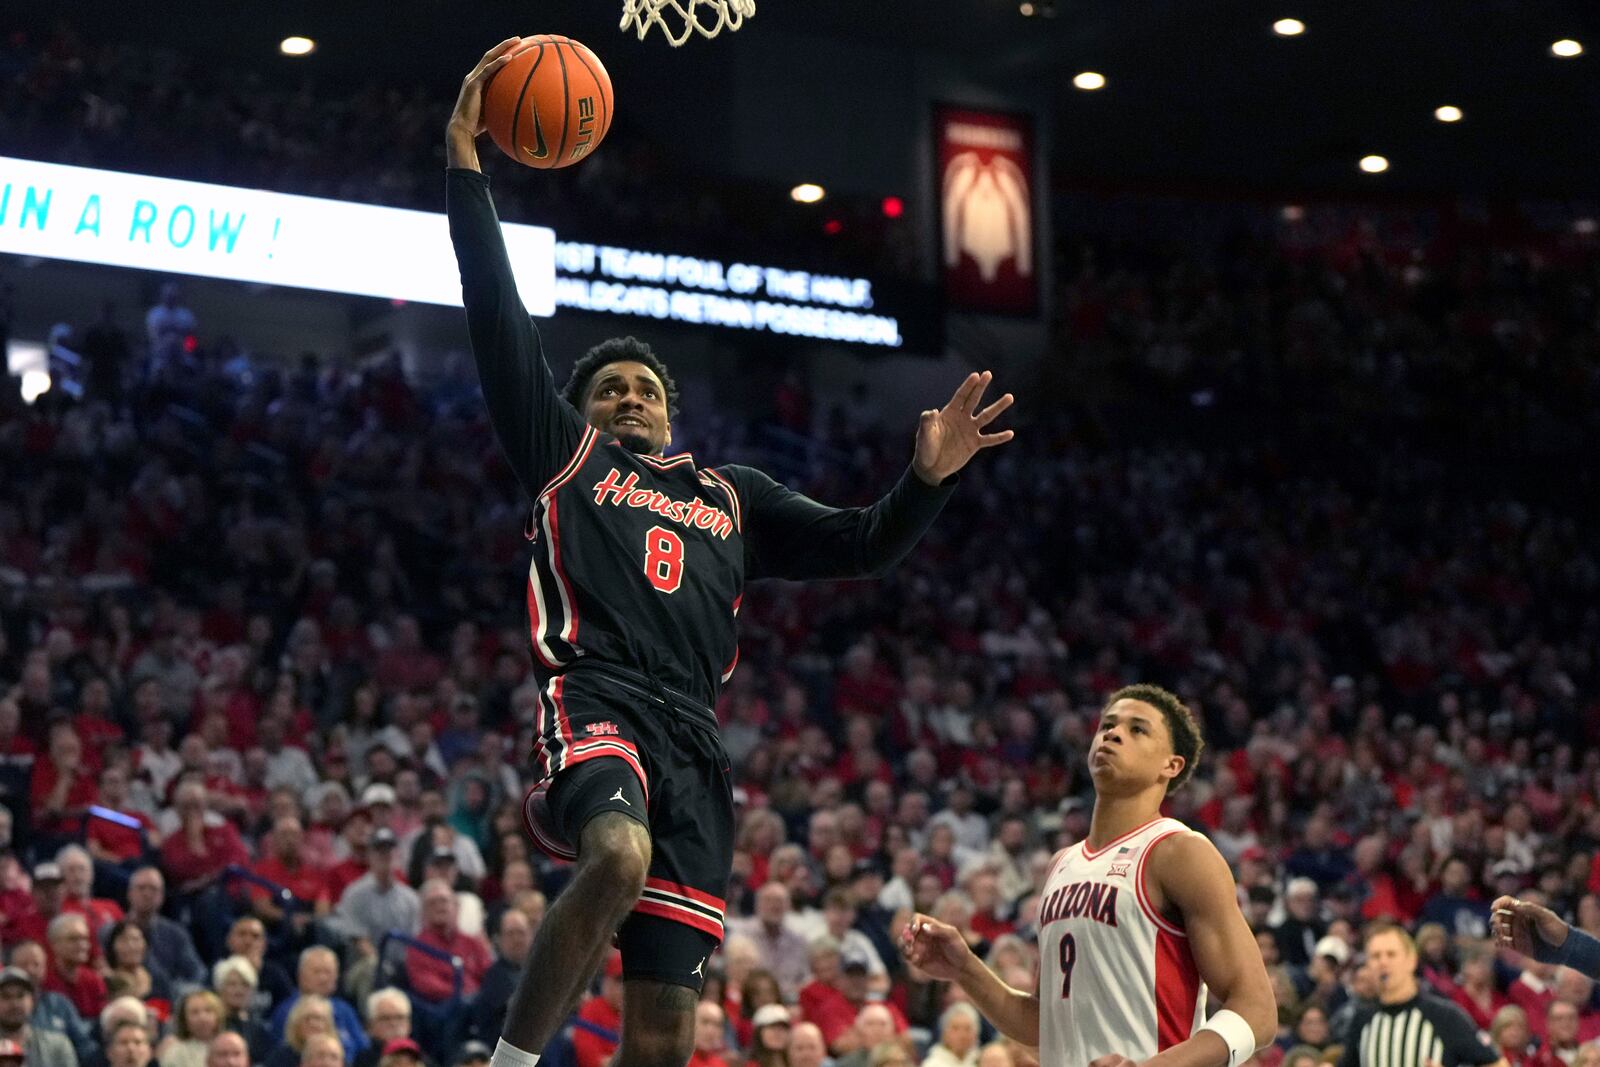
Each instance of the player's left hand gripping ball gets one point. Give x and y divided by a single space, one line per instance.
949 437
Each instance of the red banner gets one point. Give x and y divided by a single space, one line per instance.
988 246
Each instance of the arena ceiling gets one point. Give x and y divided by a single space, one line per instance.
1202 96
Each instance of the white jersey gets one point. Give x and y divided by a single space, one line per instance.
1115 977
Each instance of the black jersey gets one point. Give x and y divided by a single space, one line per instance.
641 561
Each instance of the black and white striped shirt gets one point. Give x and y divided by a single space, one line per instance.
1426 1029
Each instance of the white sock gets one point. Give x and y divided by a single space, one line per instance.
507 1055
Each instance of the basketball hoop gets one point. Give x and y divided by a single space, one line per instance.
709 17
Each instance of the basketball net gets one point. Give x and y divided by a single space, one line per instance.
709 17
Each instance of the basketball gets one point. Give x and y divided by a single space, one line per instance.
550 106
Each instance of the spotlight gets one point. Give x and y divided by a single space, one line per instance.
1566 48
1447 113
297 46
1089 81
807 193
1288 27
1374 164
1027 9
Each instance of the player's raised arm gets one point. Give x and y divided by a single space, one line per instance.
939 950
537 430
1194 878
793 536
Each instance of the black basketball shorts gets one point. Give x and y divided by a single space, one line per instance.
613 740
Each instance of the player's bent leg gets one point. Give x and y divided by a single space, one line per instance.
613 860
657 1024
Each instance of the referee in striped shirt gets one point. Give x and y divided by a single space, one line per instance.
1409 1027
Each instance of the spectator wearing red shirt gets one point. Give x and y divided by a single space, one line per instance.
1475 990
77 877
63 785
835 995
604 1010
202 846
432 979
983 886
70 973
710 1034
93 723
285 864
115 842
48 897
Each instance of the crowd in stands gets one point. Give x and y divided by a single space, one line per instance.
265 705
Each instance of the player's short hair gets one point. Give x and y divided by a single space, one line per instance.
1181 724
1378 929
617 350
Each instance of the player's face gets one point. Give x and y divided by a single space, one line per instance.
1132 748
627 400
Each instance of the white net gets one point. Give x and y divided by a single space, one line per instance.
679 18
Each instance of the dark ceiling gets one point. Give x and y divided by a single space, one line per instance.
1201 95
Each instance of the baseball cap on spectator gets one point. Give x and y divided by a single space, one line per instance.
377 793
15 976
47 872
10 1050
402 1045
1334 948
854 964
770 1015
442 854
472 1052
1299 887
382 837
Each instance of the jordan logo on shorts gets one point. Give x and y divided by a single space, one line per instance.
618 796
697 967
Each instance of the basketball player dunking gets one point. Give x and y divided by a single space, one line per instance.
1134 923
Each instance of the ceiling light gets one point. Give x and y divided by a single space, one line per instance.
297 46
35 383
1566 48
1288 27
1027 9
893 207
1089 81
807 193
1585 226
1293 213
1447 113
1374 164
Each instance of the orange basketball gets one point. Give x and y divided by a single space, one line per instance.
550 106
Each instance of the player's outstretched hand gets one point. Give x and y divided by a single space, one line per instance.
949 437
936 948
1521 925
466 119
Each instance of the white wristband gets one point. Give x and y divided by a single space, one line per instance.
508 1055
1236 1033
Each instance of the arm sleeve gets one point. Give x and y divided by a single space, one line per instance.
789 535
538 430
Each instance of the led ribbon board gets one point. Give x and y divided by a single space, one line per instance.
745 296
249 235
252 235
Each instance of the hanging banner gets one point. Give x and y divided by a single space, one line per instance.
988 241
